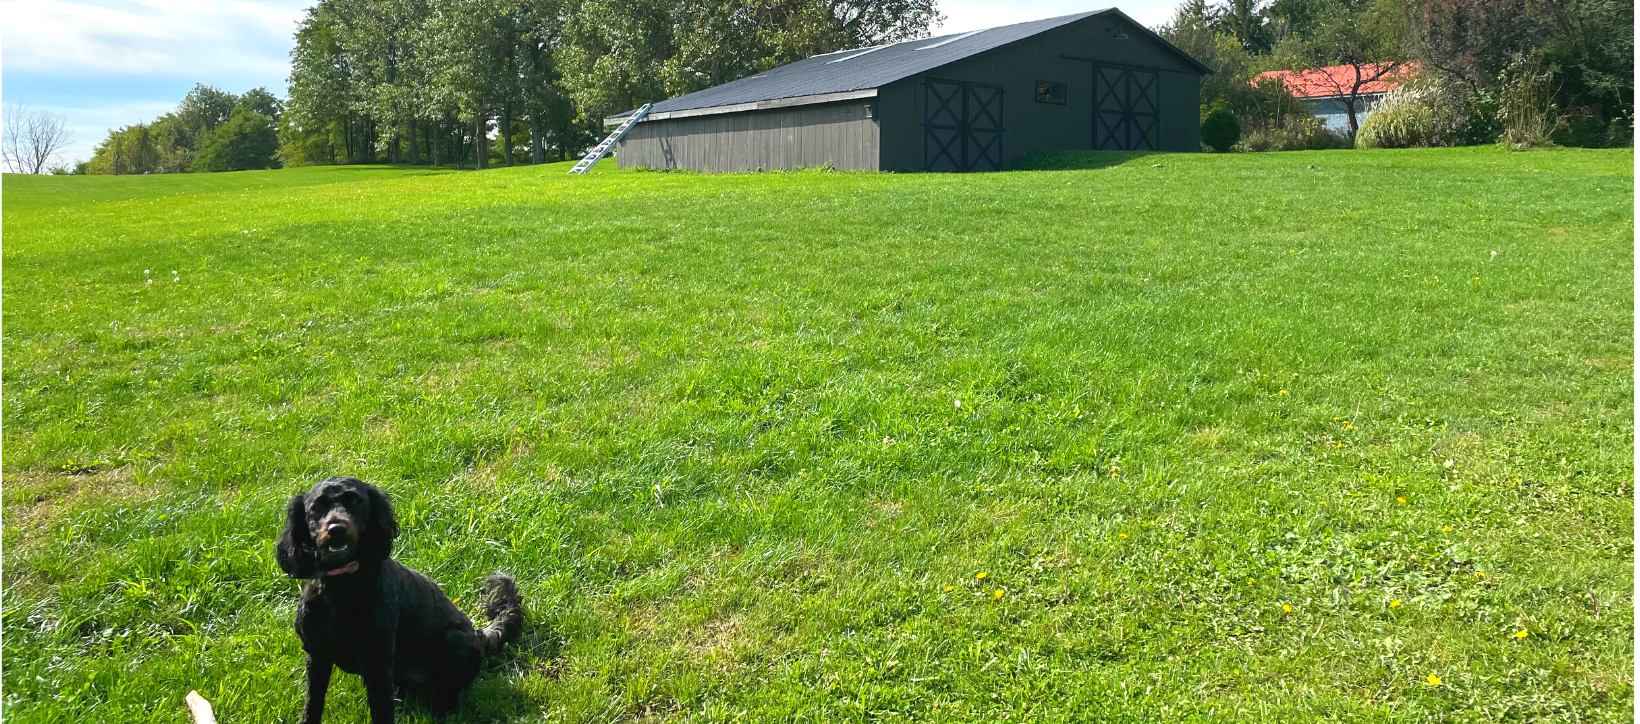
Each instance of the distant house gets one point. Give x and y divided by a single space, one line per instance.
1325 92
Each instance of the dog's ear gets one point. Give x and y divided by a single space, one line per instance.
295 550
376 544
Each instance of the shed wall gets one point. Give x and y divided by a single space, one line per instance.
838 134
1031 126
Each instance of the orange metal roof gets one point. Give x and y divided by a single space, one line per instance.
1336 80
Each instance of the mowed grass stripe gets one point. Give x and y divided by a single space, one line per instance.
737 435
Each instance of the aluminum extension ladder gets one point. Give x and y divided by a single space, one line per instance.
602 149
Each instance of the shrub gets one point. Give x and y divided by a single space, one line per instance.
1405 118
1526 106
1220 130
1585 128
1429 110
246 141
1293 132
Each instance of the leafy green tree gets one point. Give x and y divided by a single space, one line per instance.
200 112
259 100
318 123
1248 22
1194 30
1586 46
621 53
368 76
1367 37
247 141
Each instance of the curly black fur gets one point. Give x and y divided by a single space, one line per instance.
364 612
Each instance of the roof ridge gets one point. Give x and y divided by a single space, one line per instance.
879 65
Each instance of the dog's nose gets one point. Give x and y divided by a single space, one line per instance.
335 530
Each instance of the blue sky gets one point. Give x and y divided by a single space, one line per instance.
109 63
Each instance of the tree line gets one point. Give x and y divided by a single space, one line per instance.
416 81
210 130
476 82
1472 71
458 82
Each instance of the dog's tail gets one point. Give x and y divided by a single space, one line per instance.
505 609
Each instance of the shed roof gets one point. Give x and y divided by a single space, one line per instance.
843 74
1335 81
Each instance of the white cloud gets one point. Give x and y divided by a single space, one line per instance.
143 37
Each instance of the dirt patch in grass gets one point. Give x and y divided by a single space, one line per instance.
34 497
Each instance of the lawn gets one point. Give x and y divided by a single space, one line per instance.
1333 435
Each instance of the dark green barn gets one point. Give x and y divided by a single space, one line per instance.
964 102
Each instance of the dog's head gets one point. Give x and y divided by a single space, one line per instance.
341 520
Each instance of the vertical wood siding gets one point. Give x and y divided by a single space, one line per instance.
838 134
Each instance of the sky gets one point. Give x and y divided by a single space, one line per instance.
108 63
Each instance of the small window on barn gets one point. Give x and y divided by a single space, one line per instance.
1050 92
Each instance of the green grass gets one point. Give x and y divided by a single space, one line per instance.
1237 438
24 192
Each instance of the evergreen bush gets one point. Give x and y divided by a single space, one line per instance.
1220 130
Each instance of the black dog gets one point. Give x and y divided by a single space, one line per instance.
366 613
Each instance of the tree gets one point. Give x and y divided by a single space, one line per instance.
1364 36
1231 84
200 112
618 54
319 124
247 141
1587 46
32 140
1247 22
259 100
367 76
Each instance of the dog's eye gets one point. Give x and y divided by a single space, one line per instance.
350 498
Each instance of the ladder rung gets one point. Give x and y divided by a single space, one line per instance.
599 150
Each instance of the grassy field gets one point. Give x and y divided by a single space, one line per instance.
1331 435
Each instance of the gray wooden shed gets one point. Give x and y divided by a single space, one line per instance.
963 102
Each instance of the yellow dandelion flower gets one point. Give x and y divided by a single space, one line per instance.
1432 680
1446 529
948 589
1124 535
1394 603
1282 393
999 593
1323 502
980 575
1401 500
1286 608
1522 634
1349 427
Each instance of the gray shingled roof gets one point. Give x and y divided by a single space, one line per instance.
866 68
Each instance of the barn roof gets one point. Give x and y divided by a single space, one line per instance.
848 73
